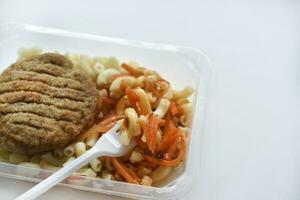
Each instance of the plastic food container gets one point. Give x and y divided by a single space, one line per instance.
180 65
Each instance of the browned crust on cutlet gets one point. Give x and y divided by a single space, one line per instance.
44 104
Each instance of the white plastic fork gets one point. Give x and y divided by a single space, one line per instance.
108 145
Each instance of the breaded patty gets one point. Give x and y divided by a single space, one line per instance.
44 104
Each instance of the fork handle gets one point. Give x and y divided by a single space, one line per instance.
59 175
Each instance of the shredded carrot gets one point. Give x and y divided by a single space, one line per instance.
107 101
111 118
105 125
168 137
91 131
123 171
118 177
167 156
133 98
131 70
140 143
177 160
96 129
149 164
150 132
131 171
173 108
173 146
161 122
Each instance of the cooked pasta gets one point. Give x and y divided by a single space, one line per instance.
86 172
136 157
96 164
92 139
139 82
16 158
131 119
160 173
185 118
59 153
53 160
110 62
69 150
146 181
80 148
184 93
105 75
162 108
35 159
47 166
118 85
184 130
125 137
106 174
149 111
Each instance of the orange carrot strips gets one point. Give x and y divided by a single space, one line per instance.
111 118
124 171
101 127
106 101
173 147
96 129
133 98
150 132
161 122
168 137
177 160
131 70
140 143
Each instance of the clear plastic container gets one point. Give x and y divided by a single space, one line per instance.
180 65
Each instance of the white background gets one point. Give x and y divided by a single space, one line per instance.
252 133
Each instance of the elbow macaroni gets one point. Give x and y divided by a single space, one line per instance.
162 108
110 62
136 157
122 104
184 93
144 102
16 158
131 119
96 164
105 75
146 181
185 118
140 81
45 165
160 173
125 137
118 86
80 148
69 150
86 172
